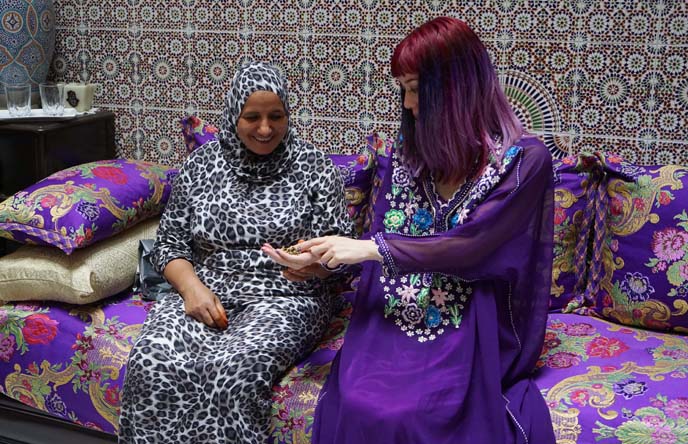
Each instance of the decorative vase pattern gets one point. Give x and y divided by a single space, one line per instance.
27 41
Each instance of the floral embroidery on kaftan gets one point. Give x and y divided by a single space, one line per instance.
426 305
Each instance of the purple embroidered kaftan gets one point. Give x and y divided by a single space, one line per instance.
445 334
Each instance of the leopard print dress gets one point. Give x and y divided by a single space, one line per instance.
189 383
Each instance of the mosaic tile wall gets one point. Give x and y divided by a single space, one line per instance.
583 74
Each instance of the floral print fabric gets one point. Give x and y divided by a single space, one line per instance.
196 132
641 251
645 280
571 179
69 360
606 383
81 205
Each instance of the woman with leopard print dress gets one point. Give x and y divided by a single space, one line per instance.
208 354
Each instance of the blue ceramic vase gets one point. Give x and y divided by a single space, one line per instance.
27 41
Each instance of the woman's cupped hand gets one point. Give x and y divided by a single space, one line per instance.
330 251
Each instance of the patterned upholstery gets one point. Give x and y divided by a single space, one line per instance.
607 383
604 382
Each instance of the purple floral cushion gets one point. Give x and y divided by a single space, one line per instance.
364 177
357 172
68 360
603 382
609 384
196 132
643 278
81 205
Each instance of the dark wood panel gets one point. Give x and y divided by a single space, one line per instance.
31 151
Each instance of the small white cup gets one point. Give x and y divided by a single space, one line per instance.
52 98
18 99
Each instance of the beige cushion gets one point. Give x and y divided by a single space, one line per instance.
87 275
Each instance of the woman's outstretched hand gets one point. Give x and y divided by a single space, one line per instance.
332 251
295 269
293 261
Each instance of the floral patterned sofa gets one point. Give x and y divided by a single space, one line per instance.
615 358
613 366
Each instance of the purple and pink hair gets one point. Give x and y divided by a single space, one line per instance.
461 106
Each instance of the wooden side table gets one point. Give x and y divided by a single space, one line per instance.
30 151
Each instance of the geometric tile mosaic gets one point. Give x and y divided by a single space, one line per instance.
582 74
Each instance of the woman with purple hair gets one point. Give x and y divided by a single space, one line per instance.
451 306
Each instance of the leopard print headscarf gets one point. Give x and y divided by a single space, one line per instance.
249 78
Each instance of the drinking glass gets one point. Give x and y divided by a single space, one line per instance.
18 99
52 98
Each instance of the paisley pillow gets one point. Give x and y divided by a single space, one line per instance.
643 275
381 149
84 204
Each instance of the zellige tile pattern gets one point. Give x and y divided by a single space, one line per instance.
585 75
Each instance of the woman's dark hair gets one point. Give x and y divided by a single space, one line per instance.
461 106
